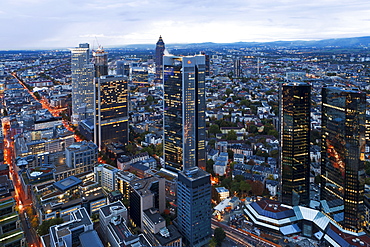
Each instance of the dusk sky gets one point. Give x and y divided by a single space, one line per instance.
66 23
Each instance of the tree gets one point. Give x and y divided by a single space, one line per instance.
214 129
231 135
230 154
245 187
209 166
226 183
239 178
219 235
228 91
44 227
149 99
257 188
274 153
212 143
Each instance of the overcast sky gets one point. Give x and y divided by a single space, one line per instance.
66 23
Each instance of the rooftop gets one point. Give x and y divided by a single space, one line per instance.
67 183
90 238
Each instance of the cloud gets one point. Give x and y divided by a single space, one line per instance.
54 23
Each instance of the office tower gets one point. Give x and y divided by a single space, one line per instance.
237 69
145 194
111 114
159 52
295 107
184 112
82 83
207 62
122 68
343 146
194 206
100 60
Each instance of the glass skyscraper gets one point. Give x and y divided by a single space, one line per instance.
295 107
184 112
111 112
184 144
343 146
100 60
82 83
194 206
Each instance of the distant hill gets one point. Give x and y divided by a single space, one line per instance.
356 42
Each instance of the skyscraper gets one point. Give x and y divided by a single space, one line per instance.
159 52
237 68
184 112
343 146
295 104
194 206
100 60
207 62
111 113
184 144
82 83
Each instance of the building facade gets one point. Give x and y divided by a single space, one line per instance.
159 52
82 156
194 206
295 107
82 83
184 112
111 113
343 146
100 60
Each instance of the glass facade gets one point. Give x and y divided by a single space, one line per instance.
100 58
184 112
295 107
111 113
82 83
343 146
194 207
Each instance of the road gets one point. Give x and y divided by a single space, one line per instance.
22 201
242 237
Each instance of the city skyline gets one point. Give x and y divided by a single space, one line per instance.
37 24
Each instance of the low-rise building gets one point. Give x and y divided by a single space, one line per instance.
72 232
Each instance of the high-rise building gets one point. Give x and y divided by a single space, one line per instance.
194 206
237 68
111 113
82 83
207 62
100 60
159 52
295 107
146 193
122 68
184 112
343 146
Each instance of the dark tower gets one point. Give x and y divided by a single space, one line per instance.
342 156
159 52
295 104
184 112
207 62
